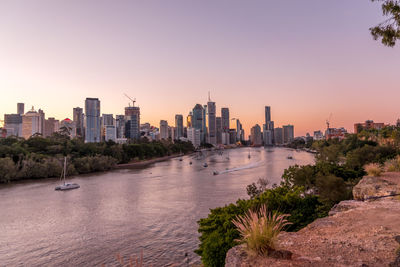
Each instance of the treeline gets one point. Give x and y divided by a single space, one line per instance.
39 157
306 192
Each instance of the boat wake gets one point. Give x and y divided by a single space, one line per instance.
248 166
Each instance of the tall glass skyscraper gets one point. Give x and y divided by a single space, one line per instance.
92 122
78 119
198 120
132 122
225 119
212 124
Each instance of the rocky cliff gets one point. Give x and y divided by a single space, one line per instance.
361 232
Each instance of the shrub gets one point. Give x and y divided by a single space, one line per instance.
218 233
8 170
373 169
393 165
259 229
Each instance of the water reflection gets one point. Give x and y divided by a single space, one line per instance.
153 209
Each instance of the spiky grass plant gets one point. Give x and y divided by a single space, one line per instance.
373 169
259 229
393 165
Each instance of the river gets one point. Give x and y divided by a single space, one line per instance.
153 209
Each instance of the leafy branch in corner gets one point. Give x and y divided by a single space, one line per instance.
388 30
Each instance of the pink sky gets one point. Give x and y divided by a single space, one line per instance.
305 59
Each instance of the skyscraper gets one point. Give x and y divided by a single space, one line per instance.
13 124
198 120
239 131
288 133
179 126
278 132
51 125
120 126
92 122
267 114
225 119
132 122
20 108
255 137
164 129
219 130
268 129
212 124
78 119
32 123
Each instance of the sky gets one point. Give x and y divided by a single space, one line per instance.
306 59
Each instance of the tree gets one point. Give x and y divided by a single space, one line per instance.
388 30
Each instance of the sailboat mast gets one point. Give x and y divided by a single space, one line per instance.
65 167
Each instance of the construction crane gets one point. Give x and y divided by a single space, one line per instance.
328 121
133 100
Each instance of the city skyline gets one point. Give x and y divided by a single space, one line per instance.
168 57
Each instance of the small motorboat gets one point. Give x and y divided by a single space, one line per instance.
289 157
205 165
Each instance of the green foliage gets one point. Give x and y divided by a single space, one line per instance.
39 157
389 30
218 233
8 170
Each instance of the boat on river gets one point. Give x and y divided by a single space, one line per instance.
66 186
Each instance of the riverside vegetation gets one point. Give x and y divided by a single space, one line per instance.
39 157
306 192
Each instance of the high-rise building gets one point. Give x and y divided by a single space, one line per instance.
232 136
20 108
267 114
189 120
205 130
212 124
32 123
51 125
178 126
288 133
268 128
278 135
13 124
78 120
164 129
132 122
120 126
255 137
193 135
218 121
198 120
107 119
92 120
225 119
239 131
110 133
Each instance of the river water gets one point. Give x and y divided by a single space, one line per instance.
153 209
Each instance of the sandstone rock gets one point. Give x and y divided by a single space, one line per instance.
373 187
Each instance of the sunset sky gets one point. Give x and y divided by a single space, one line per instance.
306 59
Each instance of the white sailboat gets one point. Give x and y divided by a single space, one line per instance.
66 186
